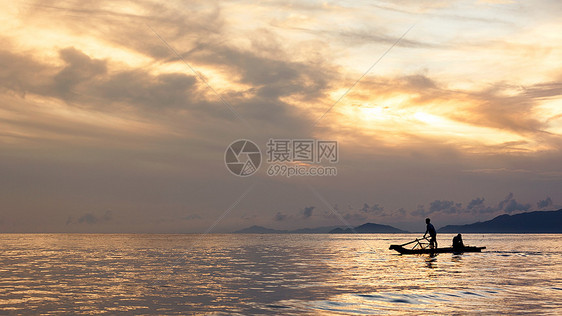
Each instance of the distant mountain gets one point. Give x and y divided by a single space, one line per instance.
259 230
368 228
264 230
531 222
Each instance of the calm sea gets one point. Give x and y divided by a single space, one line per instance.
276 274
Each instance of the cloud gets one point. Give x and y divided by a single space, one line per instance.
279 217
510 205
21 73
79 69
87 81
401 212
374 209
494 108
366 212
544 204
475 204
93 99
192 217
307 212
544 90
276 81
507 109
88 218
475 207
448 207
419 211
99 85
91 219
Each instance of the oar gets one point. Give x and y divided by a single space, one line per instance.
409 242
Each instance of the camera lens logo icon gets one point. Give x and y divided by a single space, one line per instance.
242 158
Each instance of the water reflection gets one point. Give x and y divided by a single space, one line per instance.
431 260
282 274
457 258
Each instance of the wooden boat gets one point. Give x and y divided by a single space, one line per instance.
406 251
421 246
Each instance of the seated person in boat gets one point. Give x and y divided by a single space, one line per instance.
457 242
432 233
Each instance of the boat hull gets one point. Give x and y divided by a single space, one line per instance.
406 251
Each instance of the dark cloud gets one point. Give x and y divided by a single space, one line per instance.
22 73
475 206
271 79
420 82
374 209
93 83
544 90
90 218
510 205
307 212
279 217
419 211
86 80
161 92
544 204
79 69
366 212
192 217
447 207
196 32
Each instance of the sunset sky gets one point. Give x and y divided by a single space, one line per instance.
103 128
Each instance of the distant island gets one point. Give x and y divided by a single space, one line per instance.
367 228
531 222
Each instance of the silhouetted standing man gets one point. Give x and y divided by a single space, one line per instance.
432 233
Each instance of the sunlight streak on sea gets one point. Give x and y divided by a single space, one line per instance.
276 274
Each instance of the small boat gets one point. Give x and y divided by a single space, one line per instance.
406 251
421 246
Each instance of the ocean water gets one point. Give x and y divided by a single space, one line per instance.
276 274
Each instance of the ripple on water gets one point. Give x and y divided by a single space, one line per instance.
389 301
277 274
